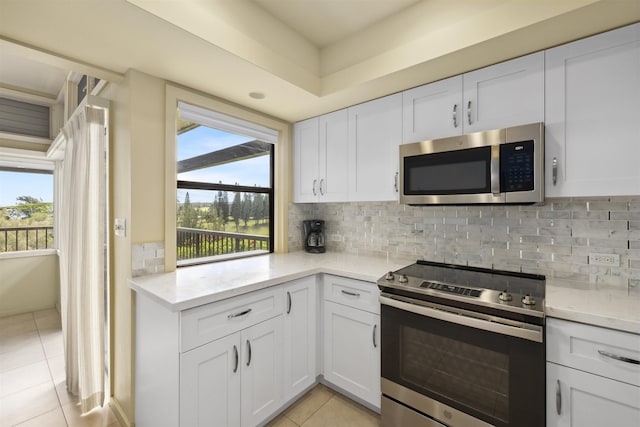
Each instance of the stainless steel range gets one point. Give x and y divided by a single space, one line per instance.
462 347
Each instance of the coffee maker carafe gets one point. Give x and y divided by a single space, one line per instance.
314 235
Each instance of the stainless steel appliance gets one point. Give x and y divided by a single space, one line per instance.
313 235
496 166
462 347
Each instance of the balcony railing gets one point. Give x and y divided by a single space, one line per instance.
195 243
14 239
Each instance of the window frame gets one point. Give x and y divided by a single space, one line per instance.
281 168
25 161
210 186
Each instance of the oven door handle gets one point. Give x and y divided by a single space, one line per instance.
478 320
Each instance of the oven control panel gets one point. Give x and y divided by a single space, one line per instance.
452 289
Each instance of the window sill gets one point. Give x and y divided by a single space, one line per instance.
219 258
27 254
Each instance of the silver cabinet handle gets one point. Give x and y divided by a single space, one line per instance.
455 115
314 187
469 112
395 182
353 294
249 350
618 358
321 189
288 302
235 354
558 398
242 313
375 344
554 170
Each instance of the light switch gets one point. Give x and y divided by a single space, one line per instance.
120 227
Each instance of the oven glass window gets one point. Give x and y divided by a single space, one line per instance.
470 375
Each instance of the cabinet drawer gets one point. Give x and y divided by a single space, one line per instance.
594 349
353 293
206 323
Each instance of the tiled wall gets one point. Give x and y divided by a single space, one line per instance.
147 258
554 239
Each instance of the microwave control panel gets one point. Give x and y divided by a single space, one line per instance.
517 167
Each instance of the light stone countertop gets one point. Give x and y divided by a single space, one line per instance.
600 308
190 287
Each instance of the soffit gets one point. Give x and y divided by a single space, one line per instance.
230 48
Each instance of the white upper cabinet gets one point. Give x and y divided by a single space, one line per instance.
334 159
592 116
432 111
507 94
375 132
306 166
321 158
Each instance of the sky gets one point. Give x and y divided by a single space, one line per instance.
203 140
15 184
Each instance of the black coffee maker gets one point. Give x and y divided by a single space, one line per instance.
314 236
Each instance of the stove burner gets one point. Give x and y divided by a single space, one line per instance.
505 291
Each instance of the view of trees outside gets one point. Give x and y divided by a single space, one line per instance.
211 222
26 209
246 213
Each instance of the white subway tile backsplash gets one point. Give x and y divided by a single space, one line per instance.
554 239
147 258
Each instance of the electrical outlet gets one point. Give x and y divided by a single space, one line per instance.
608 260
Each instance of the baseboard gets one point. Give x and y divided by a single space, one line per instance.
119 413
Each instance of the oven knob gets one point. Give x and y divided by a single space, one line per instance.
505 296
528 300
389 276
403 278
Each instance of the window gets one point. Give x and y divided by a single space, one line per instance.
26 209
224 187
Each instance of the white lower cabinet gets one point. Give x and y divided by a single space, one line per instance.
580 399
300 365
593 376
238 361
210 384
351 339
233 381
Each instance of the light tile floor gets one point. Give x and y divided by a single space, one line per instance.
322 407
32 376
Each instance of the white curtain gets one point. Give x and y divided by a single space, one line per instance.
82 255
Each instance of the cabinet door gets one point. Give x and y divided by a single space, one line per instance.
375 131
352 351
305 161
507 94
210 384
592 128
300 336
262 370
432 111
579 399
334 157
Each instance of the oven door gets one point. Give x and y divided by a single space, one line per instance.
461 373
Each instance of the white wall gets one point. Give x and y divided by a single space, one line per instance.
29 283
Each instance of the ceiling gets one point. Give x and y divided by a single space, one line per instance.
307 57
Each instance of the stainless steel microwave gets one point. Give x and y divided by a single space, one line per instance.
496 166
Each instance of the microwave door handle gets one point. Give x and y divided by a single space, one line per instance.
495 170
